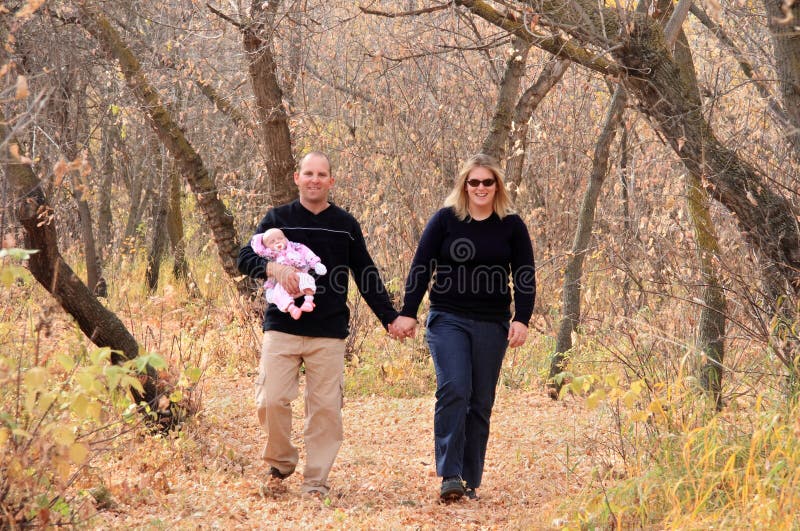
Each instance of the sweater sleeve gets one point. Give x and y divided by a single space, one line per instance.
523 272
368 278
249 262
310 258
422 266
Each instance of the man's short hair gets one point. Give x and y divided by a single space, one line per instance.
315 154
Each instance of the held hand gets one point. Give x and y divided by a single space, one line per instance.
517 334
287 277
403 327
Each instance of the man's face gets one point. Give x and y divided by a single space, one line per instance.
314 179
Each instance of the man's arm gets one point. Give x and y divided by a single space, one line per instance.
253 265
368 279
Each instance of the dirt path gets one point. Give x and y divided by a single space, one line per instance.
384 478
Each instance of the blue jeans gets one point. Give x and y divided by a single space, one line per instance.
467 355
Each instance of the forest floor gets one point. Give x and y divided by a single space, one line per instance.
211 476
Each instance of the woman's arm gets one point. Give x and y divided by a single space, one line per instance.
523 272
419 276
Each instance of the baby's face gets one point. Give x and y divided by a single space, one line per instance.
276 241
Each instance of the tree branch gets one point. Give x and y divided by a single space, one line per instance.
226 18
413 13
676 21
553 44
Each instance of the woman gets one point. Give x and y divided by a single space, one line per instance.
470 247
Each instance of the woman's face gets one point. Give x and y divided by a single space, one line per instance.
481 187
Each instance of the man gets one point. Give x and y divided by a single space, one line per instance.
316 339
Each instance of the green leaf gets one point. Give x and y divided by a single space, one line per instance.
100 354
130 381
193 374
17 254
113 374
66 361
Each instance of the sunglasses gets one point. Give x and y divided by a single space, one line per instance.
487 183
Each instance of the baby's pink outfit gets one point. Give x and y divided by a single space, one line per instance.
301 258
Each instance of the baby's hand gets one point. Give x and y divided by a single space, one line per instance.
320 269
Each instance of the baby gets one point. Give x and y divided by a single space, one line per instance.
274 246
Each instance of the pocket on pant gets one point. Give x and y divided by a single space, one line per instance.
258 387
433 315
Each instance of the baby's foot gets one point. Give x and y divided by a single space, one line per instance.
294 311
307 306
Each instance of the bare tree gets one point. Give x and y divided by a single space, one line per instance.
571 292
192 166
48 267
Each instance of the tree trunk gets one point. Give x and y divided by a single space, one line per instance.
189 161
136 200
74 126
571 292
280 163
495 142
783 18
180 266
526 106
711 326
627 222
158 240
104 216
48 267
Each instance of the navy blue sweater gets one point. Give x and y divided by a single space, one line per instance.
471 263
336 237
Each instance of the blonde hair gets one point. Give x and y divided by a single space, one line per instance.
458 199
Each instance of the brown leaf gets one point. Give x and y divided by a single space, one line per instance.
22 88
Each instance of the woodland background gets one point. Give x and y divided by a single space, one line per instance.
653 149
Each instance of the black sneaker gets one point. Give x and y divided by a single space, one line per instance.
277 474
470 493
452 488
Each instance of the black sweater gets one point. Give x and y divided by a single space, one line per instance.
336 237
472 261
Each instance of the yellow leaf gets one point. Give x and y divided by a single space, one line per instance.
68 362
22 88
4 435
594 399
14 469
78 453
63 468
63 435
35 378
629 398
87 380
45 401
639 416
80 406
6 277
94 410
30 402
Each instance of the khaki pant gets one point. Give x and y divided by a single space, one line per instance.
276 387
